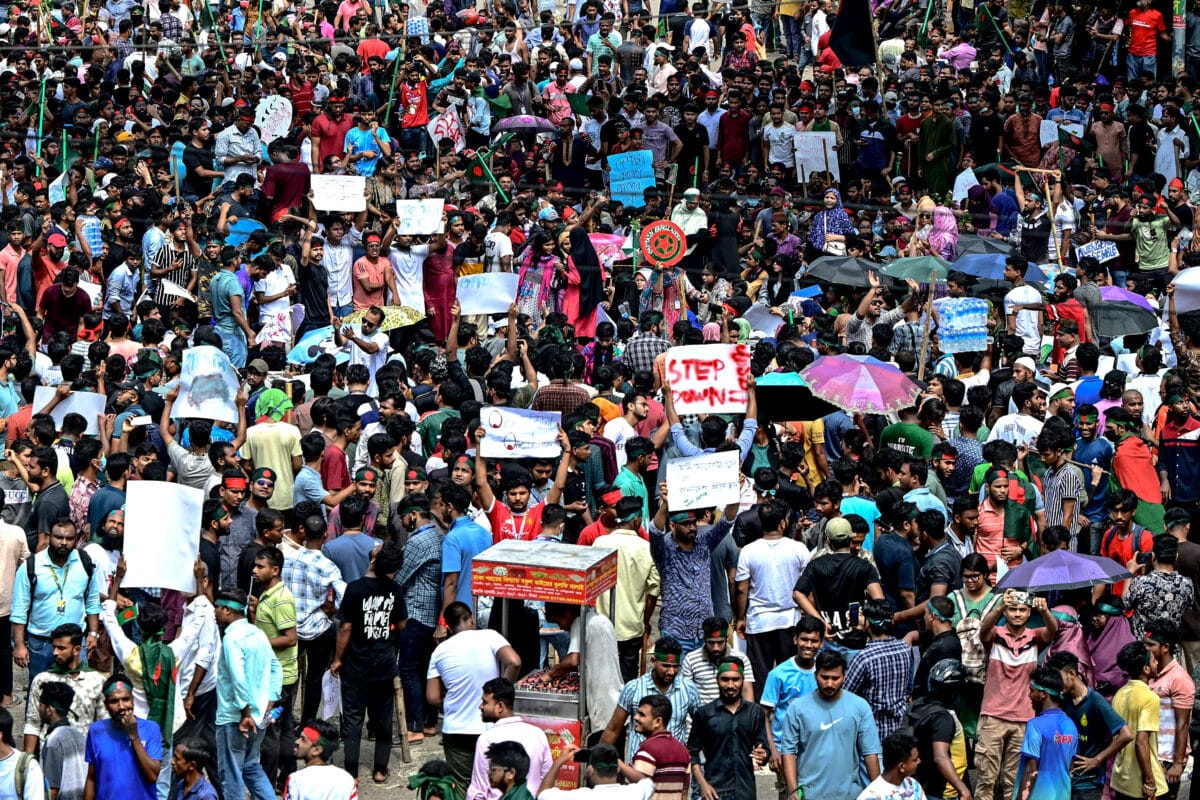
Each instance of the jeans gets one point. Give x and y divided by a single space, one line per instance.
1118 277
764 27
317 654
279 744
791 34
1135 66
343 311
238 764
41 655
233 344
688 644
359 699
415 649
413 139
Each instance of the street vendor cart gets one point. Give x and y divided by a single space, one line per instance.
550 572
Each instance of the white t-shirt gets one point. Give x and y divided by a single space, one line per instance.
325 782
372 361
1027 321
463 665
603 673
496 246
642 790
276 281
782 144
406 265
35 782
618 431
1020 429
880 789
772 566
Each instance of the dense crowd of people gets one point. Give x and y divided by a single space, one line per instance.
846 625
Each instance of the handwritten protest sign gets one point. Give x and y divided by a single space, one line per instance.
630 175
1102 251
487 292
87 404
339 192
448 126
158 554
517 433
706 481
273 116
1048 132
815 149
962 324
708 378
419 217
208 386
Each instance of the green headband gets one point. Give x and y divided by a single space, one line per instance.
232 605
1047 690
727 666
666 658
117 686
937 614
1089 417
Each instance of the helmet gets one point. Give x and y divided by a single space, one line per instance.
947 675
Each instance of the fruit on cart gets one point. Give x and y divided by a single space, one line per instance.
540 681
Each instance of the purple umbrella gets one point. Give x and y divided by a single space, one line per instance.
523 123
1117 294
1062 569
854 385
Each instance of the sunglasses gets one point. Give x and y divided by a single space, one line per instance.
261 482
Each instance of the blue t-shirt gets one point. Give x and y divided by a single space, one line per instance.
1097 724
465 540
352 554
866 509
897 566
1088 390
359 141
117 773
1097 451
830 741
222 288
836 426
308 486
785 684
1052 738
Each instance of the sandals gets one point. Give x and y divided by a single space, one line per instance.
415 738
381 777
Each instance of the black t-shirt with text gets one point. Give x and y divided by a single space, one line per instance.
375 610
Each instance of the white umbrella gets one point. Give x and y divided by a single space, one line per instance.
1187 290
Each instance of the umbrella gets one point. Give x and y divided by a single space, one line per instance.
524 123
1062 569
610 247
922 269
991 266
1187 290
784 396
393 317
970 243
852 384
1124 319
311 345
1119 295
842 271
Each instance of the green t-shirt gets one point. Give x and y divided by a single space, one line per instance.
275 614
1153 248
910 439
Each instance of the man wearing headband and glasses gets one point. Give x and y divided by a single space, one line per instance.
124 753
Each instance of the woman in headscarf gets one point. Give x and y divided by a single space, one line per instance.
535 285
979 211
918 243
439 285
584 275
830 227
943 237
1106 630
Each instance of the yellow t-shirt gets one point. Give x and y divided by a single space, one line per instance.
1137 704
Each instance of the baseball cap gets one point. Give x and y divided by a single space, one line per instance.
57 240
838 530
258 365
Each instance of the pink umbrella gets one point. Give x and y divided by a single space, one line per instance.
1115 294
608 247
862 384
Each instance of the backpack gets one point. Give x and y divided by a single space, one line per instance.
974 654
1111 534
22 772
89 567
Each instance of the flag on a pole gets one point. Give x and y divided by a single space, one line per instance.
1076 143
852 39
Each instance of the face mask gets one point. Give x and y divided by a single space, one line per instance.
854 109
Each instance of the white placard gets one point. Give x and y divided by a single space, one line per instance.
517 433
273 116
1101 250
487 292
174 289
815 149
1048 132
162 535
963 183
419 217
706 481
208 386
88 404
339 193
708 378
94 291
761 320
447 126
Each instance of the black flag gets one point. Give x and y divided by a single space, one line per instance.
852 39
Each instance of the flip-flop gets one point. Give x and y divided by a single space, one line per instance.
430 731
377 779
415 738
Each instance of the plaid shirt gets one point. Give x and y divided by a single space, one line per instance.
559 395
172 28
685 701
641 350
881 675
309 574
420 579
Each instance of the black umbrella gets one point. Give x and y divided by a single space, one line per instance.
1124 319
970 243
843 271
784 396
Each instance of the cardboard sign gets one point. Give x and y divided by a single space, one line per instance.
159 554
518 433
962 324
630 175
815 149
339 193
487 292
1101 251
1048 132
208 386
448 126
419 217
87 404
706 481
273 116
709 378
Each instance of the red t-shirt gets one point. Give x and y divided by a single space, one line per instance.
592 532
1123 550
1144 27
506 525
667 761
335 474
332 134
416 105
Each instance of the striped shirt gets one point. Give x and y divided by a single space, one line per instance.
702 671
1064 483
684 697
667 762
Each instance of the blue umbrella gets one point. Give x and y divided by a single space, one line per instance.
1061 570
308 346
991 266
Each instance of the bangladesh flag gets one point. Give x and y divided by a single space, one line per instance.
579 103
1076 143
127 615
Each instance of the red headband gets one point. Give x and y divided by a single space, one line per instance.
611 498
234 483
